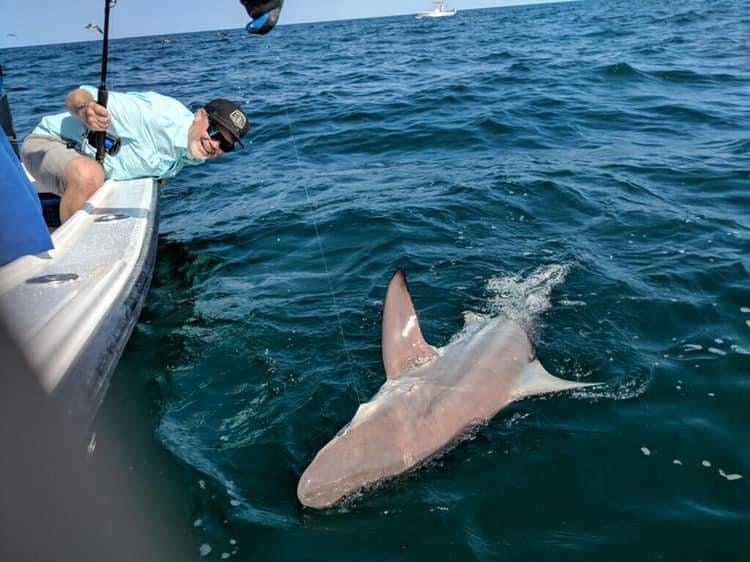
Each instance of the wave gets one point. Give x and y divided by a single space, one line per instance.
683 113
619 70
691 77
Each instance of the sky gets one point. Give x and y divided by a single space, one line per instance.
36 22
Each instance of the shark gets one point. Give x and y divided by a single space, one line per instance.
431 399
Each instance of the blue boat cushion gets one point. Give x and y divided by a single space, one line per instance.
22 227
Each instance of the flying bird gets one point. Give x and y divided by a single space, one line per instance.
94 26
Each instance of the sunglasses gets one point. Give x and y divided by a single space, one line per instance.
215 133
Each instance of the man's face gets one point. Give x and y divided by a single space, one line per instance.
200 144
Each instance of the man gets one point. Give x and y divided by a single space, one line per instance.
149 135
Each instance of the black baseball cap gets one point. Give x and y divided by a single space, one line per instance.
229 115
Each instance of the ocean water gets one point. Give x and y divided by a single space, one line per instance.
589 160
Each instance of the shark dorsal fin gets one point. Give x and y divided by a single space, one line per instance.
537 380
403 344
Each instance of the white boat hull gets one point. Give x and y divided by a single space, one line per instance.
72 309
436 14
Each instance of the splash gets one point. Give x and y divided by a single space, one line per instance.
522 298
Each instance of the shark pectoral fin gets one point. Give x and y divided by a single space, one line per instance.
403 344
537 380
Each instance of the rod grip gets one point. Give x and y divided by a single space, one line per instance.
101 99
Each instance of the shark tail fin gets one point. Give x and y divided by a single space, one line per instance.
403 344
537 380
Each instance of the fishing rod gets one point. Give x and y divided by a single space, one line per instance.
100 137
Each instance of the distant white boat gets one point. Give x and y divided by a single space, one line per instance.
440 10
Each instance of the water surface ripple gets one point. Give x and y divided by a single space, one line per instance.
609 139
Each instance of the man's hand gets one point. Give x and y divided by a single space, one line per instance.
81 104
95 117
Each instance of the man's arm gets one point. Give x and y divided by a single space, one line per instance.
82 104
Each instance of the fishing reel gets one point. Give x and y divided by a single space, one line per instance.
112 143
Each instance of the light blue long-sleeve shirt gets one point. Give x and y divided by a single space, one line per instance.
152 128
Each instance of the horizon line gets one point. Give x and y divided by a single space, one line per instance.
521 3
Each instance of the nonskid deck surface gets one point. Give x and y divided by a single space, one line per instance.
73 308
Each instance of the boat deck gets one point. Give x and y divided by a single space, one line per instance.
72 309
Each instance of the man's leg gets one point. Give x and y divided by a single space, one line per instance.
83 176
63 171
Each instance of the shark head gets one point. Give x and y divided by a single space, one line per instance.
357 458
374 444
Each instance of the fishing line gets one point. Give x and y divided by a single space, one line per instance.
321 248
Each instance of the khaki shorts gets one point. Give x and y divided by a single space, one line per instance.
45 159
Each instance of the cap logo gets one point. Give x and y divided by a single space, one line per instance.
238 118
